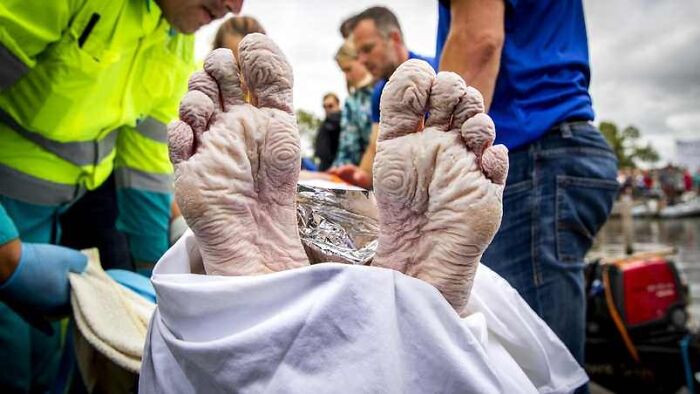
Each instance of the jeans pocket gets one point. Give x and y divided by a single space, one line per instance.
582 206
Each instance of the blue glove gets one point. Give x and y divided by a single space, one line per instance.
40 282
139 284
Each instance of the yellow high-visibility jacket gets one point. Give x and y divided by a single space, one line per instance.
86 88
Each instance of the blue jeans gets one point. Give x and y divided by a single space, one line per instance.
558 194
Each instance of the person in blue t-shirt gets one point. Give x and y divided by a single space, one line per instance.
381 49
529 59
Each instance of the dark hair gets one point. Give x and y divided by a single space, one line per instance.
332 95
383 18
240 25
347 25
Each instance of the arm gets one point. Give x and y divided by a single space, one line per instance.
10 248
360 175
474 43
27 27
143 171
34 277
368 157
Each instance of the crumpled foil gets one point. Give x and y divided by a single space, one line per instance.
337 225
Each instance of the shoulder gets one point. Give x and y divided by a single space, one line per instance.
376 96
378 87
430 60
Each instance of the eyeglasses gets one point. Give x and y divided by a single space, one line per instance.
328 106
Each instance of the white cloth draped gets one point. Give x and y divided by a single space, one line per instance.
334 328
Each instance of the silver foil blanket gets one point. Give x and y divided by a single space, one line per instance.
337 225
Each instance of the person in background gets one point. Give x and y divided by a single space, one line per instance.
232 31
381 48
687 180
86 91
356 116
530 62
328 135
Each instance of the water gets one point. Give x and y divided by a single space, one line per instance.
681 234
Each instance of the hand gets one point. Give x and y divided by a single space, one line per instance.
40 284
353 175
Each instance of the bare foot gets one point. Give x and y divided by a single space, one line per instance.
439 189
236 164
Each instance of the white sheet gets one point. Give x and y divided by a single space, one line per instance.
333 328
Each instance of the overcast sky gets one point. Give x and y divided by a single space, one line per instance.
645 55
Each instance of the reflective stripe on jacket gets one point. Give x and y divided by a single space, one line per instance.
89 84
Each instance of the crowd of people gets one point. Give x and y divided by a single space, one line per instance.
502 50
668 183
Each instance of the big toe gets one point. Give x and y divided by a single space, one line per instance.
404 99
266 72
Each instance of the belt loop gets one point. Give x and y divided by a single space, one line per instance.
566 130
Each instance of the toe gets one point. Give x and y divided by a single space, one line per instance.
201 81
405 99
266 72
470 104
494 163
222 67
446 93
180 141
478 133
196 108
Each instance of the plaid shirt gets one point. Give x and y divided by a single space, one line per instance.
355 127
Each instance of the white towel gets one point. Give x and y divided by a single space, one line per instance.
112 319
333 328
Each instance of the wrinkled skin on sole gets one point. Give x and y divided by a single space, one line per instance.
237 164
439 187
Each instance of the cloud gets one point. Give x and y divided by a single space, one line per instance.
645 62
307 31
645 67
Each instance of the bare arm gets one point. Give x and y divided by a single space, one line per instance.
9 259
370 151
474 43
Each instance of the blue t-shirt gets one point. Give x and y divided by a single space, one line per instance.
544 75
379 86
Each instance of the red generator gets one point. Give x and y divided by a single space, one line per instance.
648 294
637 334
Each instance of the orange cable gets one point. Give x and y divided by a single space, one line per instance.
616 316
